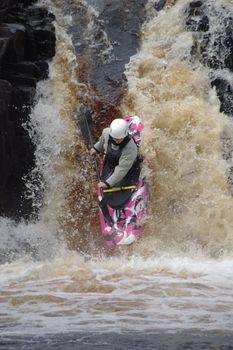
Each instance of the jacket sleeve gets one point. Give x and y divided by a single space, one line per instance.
128 156
99 145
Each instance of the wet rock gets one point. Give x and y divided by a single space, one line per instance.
217 48
16 33
42 69
22 100
46 50
7 4
23 67
122 23
214 44
41 34
225 92
198 23
195 4
4 48
197 20
104 50
18 78
31 51
39 15
26 3
27 41
160 4
228 23
5 103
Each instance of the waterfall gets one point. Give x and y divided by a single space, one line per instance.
55 278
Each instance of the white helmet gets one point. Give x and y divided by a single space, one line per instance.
119 128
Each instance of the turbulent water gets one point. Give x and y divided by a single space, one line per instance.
55 277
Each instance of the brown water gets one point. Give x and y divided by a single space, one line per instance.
178 276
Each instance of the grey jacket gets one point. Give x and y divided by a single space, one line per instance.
128 156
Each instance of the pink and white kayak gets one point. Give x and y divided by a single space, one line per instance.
122 209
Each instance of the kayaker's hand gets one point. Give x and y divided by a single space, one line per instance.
102 184
92 151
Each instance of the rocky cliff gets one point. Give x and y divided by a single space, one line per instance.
27 42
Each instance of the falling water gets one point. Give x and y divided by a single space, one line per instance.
178 276
191 204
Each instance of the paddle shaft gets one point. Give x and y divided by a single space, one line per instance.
114 189
92 145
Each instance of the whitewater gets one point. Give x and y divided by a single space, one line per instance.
55 277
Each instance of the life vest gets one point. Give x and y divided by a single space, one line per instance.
112 156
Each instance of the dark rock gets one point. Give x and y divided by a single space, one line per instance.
122 23
195 4
45 33
17 78
27 40
27 68
7 4
16 33
208 49
217 48
225 92
197 20
46 49
39 14
228 42
26 3
42 69
45 40
160 4
19 151
31 53
103 55
198 24
16 15
21 104
216 45
5 104
4 47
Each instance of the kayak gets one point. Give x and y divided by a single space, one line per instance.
122 209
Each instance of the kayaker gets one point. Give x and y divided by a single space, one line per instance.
120 152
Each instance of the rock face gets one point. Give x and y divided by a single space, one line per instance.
122 21
104 52
214 24
159 4
214 48
27 41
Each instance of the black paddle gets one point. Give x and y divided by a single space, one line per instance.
102 202
88 115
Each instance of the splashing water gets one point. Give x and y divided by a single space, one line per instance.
179 275
61 155
190 203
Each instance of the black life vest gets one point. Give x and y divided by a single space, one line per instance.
112 156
